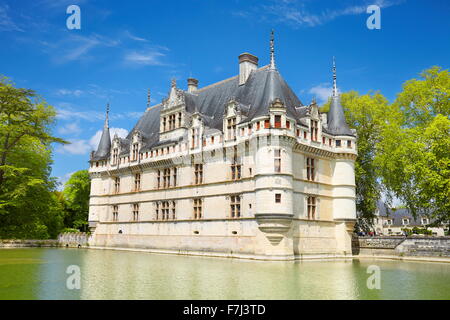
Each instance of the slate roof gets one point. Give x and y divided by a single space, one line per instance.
337 125
253 98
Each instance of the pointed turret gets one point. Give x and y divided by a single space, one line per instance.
337 125
104 146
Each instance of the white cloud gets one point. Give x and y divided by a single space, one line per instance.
76 146
151 57
322 92
6 22
62 180
95 140
67 92
83 146
133 37
295 13
70 128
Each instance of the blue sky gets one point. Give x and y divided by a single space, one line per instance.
126 47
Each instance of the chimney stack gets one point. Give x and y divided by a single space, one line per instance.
247 63
192 85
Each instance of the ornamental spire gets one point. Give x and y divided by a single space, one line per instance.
107 116
335 91
272 51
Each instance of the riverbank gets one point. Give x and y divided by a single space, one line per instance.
426 249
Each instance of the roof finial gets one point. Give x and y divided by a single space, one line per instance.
107 116
272 51
148 98
335 91
174 83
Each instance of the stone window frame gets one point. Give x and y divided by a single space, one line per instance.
197 208
135 211
116 185
137 182
198 173
311 165
236 166
235 206
115 212
277 160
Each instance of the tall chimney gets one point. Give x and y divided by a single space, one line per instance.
192 85
247 63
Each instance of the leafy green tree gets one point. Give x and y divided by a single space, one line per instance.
27 204
76 193
414 158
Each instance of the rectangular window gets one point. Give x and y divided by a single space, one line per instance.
314 129
288 124
311 207
135 151
349 143
310 169
115 213
235 167
338 143
117 185
277 160
158 179
231 128
305 135
165 210
157 211
135 211
266 124
235 206
179 119
198 173
277 197
173 210
249 129
277 121
137 182
175 171
166 178
197 208
115 155
258 126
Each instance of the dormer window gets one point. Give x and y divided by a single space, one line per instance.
231 128
277 121
405 221
314 130
115 155
135 151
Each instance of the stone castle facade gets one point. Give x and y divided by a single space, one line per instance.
239 168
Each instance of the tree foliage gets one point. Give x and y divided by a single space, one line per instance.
76 194
28 207
403 147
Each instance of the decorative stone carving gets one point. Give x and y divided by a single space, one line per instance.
275 226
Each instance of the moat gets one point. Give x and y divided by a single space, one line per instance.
40 273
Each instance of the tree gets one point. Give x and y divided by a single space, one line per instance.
76 193
27 204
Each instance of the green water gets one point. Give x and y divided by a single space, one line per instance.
106 274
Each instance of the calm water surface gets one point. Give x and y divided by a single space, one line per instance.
105 274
